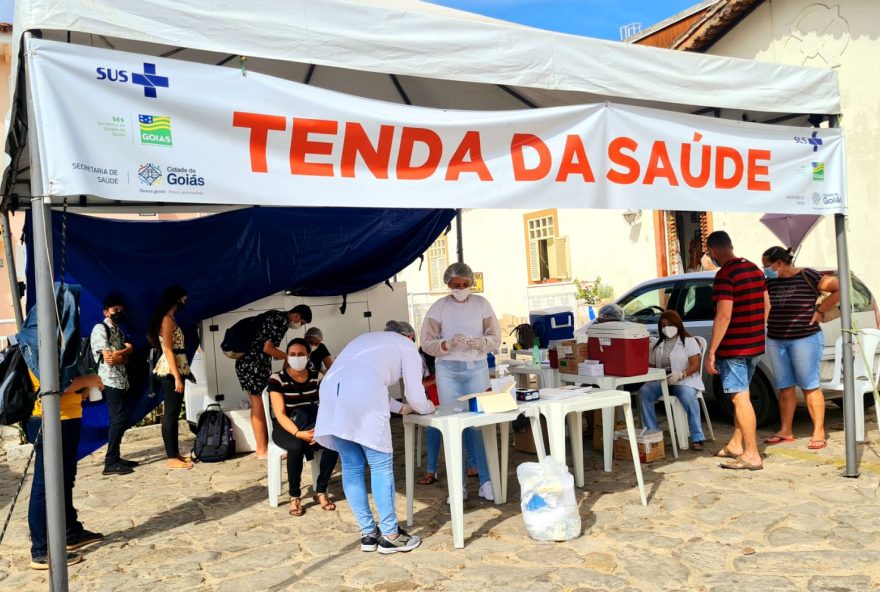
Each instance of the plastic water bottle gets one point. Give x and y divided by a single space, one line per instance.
536 353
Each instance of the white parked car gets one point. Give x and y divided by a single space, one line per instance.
690 295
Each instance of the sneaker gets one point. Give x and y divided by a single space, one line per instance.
41 562
404 543
369 542
117 469
129 463
486 492
84 538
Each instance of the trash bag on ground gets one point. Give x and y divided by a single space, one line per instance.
549 507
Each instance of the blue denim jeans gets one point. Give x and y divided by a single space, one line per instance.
70 430
796 361
651 392
355 459
736 373
455 379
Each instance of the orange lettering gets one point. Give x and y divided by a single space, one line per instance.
723 153
356 142
259 125
752 183
301 146
469 146
520 172
574 161
705 164
616 156
659 165
408 138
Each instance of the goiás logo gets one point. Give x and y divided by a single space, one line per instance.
184 176
150 174
155 130
818 169
148 79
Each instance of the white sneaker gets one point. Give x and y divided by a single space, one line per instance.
486 492
464 495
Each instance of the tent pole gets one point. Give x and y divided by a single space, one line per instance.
50 398
458 236
846 326
849 396
10 269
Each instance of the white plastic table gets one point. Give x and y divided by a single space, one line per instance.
451 425
613 382
557 410
545 376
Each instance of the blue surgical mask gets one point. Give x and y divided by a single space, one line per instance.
770 273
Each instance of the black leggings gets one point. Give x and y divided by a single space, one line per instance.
296 449
173 403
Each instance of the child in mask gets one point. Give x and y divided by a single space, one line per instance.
293 395
679 354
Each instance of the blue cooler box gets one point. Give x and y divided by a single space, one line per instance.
553 324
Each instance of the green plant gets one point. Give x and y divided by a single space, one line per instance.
593 292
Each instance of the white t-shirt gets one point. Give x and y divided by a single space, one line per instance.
461 318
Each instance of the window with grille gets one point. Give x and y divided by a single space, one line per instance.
548 257
438 261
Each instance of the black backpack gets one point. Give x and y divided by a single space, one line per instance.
215 440
239 338
17 396
85 361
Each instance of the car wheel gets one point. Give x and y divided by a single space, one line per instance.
869 401
761 393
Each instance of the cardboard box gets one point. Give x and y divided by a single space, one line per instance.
524 442
568 366
650 446
597 429
492 401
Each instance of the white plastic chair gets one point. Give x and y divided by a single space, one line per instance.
865 344
275 456
679 415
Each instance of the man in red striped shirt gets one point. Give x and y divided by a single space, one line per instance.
737 342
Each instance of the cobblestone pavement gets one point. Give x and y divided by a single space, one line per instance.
797 525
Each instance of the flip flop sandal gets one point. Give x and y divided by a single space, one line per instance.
296 508
324 500
740 464
777 439
817 444
697 446
725 453
428 479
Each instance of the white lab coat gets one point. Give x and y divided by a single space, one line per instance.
678 359
354 401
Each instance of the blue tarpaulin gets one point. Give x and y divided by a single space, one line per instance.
226 261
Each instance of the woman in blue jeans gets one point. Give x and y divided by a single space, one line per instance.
459 330
353 419
679 354
794 339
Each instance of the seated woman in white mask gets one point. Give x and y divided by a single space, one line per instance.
679 354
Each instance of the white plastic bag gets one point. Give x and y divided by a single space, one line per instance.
548 504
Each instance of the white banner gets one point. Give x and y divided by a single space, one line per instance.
138 128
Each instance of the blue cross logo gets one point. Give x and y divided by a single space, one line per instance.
813 140
149 80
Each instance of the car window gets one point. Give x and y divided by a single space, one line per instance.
696 302
861 296
646 305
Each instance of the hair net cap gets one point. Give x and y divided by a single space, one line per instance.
611 311
462 270
401 327
314 332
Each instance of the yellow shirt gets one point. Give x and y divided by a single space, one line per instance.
71 403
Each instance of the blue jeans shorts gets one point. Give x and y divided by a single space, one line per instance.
796 361
736 373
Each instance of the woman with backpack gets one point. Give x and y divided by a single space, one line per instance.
172 368
293 396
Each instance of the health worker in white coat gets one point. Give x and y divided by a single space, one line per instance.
353 419
679 354
459 330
